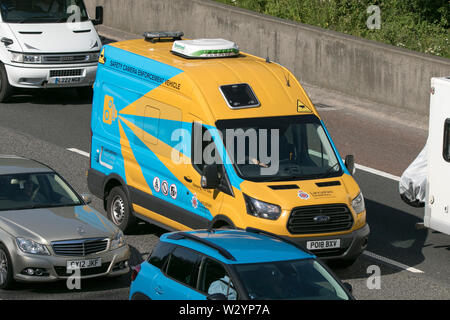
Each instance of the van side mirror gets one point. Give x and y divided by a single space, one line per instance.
350 164
98 16
216 296
210 177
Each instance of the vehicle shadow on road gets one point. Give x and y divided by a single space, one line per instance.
394 236
64 96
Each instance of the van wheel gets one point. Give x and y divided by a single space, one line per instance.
6 89
6 270
119 210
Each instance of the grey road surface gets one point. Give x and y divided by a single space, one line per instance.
43 126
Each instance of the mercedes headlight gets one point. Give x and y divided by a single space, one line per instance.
358 204
118 240
32 247
262 209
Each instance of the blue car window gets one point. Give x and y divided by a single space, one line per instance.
215 279
183 266
160 254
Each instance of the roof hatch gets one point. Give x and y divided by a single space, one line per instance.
239 96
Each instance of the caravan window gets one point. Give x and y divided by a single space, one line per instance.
446 150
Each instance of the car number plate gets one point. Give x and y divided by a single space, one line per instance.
84 264
65 80
323 244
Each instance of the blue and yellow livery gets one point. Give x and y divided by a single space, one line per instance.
189 135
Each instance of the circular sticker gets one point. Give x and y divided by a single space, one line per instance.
165 188
173 191
194 201
156 184
303 195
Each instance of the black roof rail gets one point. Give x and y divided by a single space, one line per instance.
273 235
183 235
155 36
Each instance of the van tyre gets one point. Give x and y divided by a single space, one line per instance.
119 209
6 270
6 89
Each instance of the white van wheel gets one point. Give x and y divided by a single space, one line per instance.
6 89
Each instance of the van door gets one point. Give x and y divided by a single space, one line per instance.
206 203
437 212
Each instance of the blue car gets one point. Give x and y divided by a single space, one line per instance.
233 265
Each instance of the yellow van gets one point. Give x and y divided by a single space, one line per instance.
193 134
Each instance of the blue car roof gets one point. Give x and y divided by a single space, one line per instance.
245 247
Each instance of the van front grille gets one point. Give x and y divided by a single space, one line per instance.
320 219
79 248
66 73
61 59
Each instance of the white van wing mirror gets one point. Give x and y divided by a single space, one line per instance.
98 16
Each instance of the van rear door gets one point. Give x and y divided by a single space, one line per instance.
437 211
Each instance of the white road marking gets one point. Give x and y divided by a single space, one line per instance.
392 262
367 253
377 172
83 153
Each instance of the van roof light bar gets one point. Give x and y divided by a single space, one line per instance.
155 36
185 235
205 48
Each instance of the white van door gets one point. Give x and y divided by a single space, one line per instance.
437 210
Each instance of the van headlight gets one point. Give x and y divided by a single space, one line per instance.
118 240
25 58
262 209
32 247
358 204
93 57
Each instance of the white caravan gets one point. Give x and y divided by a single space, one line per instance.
47 44
437 206
426 181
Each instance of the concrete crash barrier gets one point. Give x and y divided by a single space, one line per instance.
361 68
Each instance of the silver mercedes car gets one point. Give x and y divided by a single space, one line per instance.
48 232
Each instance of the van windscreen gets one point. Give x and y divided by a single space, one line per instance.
239 96
42 11
280 148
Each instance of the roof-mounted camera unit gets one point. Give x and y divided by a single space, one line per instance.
205 48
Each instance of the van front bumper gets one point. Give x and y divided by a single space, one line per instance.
352 245
114 263
49 76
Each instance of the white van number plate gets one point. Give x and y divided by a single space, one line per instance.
65 80
323 244
84 264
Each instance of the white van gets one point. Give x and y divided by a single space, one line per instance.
47 44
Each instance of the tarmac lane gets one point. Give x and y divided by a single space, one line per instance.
401 262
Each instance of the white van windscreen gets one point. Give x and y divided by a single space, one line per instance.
42 11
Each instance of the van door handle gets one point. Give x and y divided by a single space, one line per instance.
188 179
